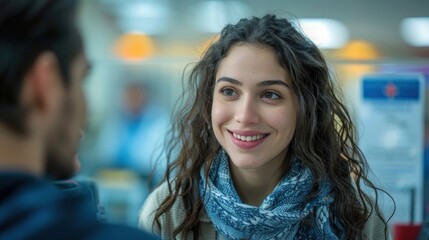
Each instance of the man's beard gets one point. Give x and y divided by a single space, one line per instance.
60 151
58 167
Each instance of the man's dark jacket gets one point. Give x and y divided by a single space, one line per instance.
34 208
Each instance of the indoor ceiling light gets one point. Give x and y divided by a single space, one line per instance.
134 46
415 31
149 17
324 32
212 16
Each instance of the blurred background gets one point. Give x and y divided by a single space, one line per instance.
140 48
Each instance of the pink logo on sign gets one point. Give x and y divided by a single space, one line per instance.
391 90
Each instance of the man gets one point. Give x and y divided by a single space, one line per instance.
123 141
42 109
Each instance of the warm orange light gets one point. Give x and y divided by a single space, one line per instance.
361 51
358 50
207 43
134 46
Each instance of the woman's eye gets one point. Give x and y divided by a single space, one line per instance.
228 92
271 95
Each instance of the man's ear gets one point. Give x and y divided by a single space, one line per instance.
42 84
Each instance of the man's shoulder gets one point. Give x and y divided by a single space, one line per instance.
24 190
32 208
112 231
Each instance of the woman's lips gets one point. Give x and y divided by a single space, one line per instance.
247 139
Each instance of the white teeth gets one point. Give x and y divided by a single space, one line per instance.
248 138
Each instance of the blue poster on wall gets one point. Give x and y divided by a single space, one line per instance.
391 114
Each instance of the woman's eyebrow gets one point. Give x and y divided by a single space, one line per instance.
230 80
272 82
261 84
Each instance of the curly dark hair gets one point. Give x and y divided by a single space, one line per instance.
324 138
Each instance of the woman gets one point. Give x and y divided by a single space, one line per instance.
265 148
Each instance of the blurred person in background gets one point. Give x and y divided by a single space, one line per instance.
266 148
42 111
133 138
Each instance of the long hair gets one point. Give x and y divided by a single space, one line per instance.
324 138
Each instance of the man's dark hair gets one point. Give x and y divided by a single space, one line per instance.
28 28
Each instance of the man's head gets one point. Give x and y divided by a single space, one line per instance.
135 97
42 64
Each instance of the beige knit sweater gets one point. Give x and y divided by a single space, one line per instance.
374 228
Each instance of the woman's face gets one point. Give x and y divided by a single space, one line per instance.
254 109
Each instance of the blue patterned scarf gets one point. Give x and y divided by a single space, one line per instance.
280 216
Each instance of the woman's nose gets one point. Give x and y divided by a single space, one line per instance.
246 111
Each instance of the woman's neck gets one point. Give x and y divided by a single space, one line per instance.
254 185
